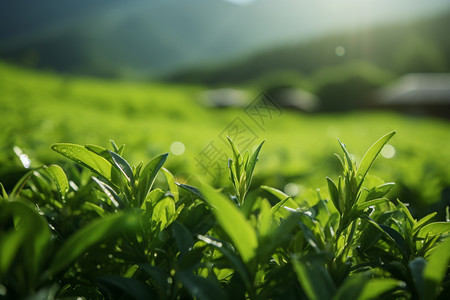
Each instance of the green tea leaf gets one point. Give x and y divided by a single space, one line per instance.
201 288
192 190
91 206
252 163
159 278
380 191
284 198
133 287
374 288
103 152
237 157
31 234
4 193
183 237
227 250
399 240
20 185
367 204
164 213
97 231
370 156
417 267
314 279
59 178
233 223
436 269
173 187
334 194
437 228
84 157
348 159
123 166
422 222
109 191
148 176
362 287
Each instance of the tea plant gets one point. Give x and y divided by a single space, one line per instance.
112 230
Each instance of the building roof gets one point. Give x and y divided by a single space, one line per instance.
417 89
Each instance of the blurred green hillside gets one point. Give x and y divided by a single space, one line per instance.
402 47
140 38
38 109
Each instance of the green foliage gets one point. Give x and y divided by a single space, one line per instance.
111 230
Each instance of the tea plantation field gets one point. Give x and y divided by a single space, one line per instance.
242 203
38 109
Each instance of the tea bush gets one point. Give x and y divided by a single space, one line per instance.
102 228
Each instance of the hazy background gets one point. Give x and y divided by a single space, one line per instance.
153 38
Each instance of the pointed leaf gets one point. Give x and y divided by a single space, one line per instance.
437 228
228 251
233 223
148 176
436 269
237 157
97 231
399 240
422 222
374 288
362 287
103 152
314 279
281 196
20 185
192 190
123 166
173 187
370 156
164 213
84 157
183 237
135 288
334 193
159 277
348 159
380 191
252 163
59 178
365 205
201 288
4 193
109 191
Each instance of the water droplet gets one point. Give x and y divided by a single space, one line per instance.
99 267
26 162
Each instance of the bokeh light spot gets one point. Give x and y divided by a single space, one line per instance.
339 50
177 148
291 189
388 151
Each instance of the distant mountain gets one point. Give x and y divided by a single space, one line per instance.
403 47
154 37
